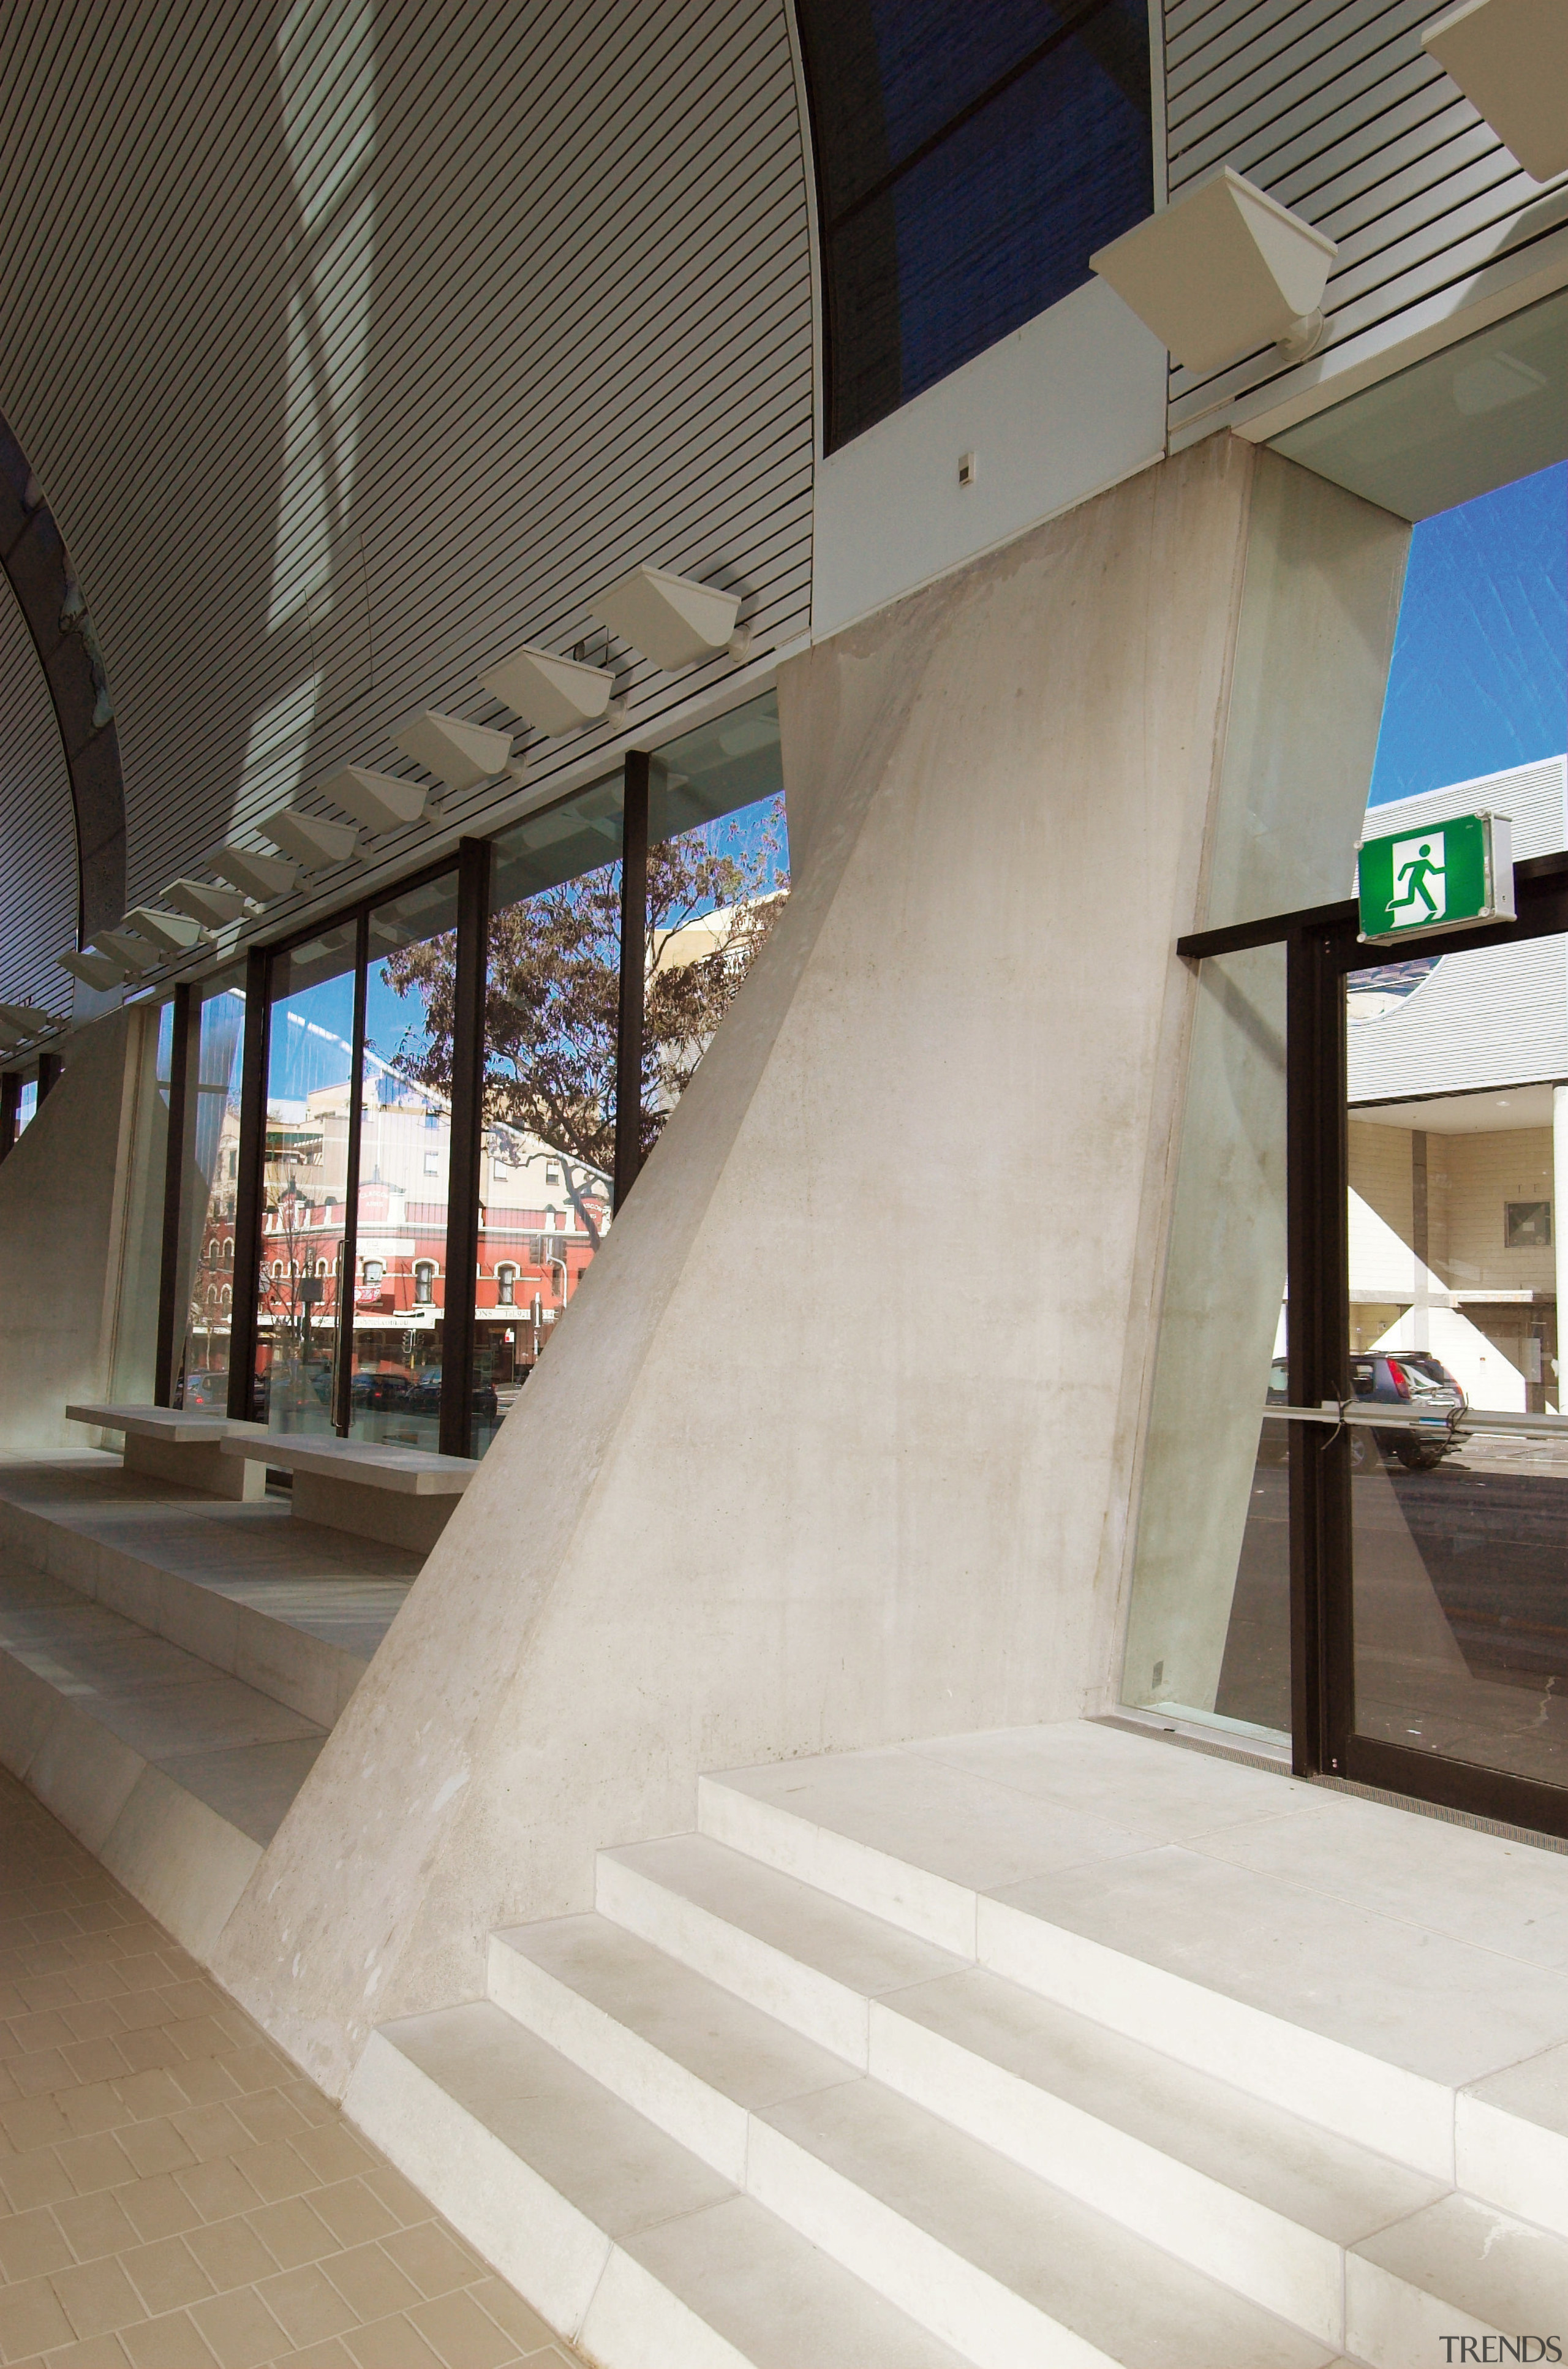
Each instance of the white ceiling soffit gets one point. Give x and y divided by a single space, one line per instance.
1476 416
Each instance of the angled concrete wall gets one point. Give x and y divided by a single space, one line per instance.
838 1445
80 1201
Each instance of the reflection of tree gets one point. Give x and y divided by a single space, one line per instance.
292 1299
553 992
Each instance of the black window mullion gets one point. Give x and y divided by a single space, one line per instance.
348 1256
467 1120
179 1162
248 1192
634 974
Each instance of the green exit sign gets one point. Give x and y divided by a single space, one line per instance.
1442 876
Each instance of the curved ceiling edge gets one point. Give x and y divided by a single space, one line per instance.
33 555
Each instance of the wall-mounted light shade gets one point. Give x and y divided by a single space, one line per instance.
1510 59
129 947
261 877
92 969
381 801
458 753
206 903
310 839
669 618
172 933
552 694
1223 270
29 1020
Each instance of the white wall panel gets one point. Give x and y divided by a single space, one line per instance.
356 341
1334 106
37 830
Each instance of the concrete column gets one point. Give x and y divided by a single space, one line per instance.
766 1496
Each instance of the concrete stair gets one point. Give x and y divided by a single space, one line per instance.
732 2116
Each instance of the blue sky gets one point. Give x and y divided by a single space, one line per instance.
1479 673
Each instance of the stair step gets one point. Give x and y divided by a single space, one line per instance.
1002 2263
616 2234
689 2055
1458 2269
812 1962
1224 1916
1254 2197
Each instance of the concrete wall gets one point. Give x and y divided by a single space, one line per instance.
772 1493
79 1198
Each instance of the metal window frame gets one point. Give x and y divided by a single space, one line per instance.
1321 949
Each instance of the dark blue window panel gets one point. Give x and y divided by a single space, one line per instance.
970 160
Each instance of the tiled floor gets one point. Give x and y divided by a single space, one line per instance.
173 2193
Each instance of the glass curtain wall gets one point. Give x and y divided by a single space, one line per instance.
402 1284
209 1186
304 1180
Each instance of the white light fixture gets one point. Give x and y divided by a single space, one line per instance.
1223 270
672 619
310 839
459 753
552 694
93 970
1510 59
29 1019
380 801
128 947
172 933
205 902
261 877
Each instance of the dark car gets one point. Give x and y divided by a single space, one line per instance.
1409 1378
204 1390
425 1398
371 1394
1416 1379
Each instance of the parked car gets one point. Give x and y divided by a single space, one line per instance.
204 1390
1409 1378
425 1398
1413 1378
373 1393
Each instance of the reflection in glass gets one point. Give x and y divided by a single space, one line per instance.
1208 1631
402 1277
1459 1540
304 1180
208 1196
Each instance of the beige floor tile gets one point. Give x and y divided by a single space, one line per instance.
172 2341
306 2304
239 2329
465 2336
31 2245
98 2296
291 2233
174 2194
166 2275
371 2281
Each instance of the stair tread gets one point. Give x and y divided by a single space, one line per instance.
765 2288
1311 2176
849 1945
737 2049
1500 2270
1114 2289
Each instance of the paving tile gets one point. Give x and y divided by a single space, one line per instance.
435 2261
239 2329
333 2354
332 2153
371 2281
98 2296
402 2198
166 2275
517 2320
291 2233
31 2245
217 2191
172 2341
146 2095
158 2208
274 2170
202 2081
91 2352
393 2344
266 2115
32 2319
306 2304
465 2337
208 2133
95 2163
231 2253
353 2212
37 2179
98 2225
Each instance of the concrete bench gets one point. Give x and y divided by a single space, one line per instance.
403 1496
180 1445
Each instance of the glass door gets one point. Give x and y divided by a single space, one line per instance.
1447 1578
